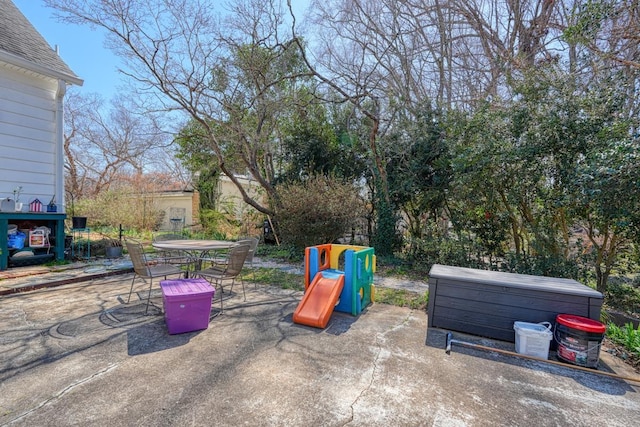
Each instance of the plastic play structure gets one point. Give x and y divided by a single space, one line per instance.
327 288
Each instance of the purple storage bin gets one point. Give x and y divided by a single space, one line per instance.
187 304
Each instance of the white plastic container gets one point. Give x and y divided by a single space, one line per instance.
533 339
38 238
7 205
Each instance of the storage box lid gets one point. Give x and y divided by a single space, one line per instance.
514 280
185 287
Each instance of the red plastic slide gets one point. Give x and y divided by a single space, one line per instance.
318 301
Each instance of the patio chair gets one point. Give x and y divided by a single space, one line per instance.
230 271
177 258
145 271
221 260
253 245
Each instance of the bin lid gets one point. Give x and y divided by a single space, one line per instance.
185 287
581 323
553 285
536 328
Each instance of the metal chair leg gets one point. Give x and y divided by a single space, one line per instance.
149 295
221 306
253 277
216 285
131 289
233 282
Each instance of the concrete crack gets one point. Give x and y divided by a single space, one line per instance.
378 344
63 392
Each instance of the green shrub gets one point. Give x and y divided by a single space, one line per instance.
430 250
218 224
627 336
623 296
317 211
543 265
386 238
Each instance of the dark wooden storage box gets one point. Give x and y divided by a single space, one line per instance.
487 303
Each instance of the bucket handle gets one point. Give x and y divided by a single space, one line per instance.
547 324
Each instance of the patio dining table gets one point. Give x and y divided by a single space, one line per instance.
196 249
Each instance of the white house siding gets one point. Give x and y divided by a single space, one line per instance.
29 155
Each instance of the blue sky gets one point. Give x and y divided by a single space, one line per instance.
80 47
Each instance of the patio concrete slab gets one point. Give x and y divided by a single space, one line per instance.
76 355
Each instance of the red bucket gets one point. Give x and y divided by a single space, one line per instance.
579 339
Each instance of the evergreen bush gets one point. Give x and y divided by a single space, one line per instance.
318 210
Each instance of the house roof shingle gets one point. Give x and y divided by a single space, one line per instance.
22 42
